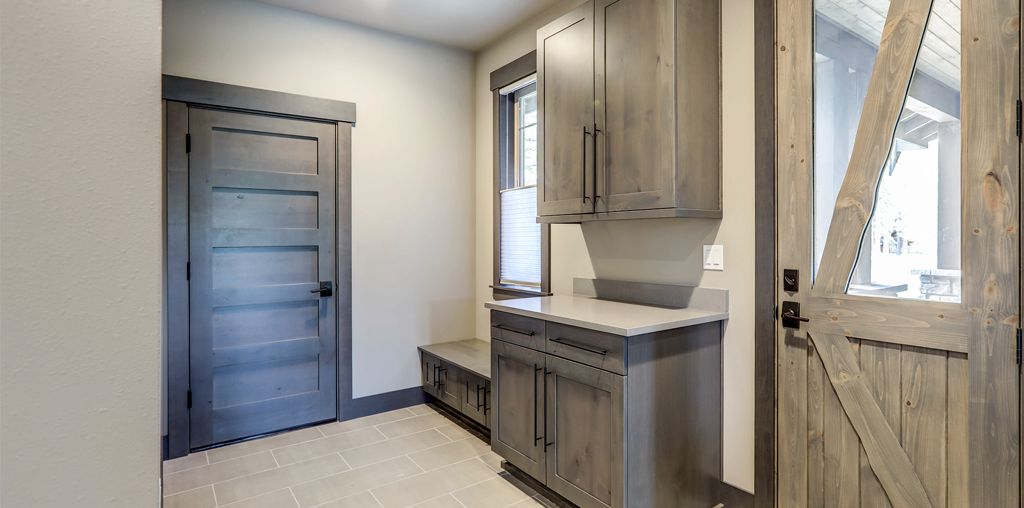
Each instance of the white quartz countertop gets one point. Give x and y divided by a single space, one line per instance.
619 318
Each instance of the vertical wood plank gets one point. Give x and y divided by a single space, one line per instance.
924 417
817 385
956 417
880 363
990 186
890 80
794 61
842 452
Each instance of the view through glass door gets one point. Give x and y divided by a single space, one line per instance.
898 253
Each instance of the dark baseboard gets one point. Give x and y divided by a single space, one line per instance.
452 413
382 402
735 497
548 494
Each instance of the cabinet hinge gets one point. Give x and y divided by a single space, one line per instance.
775 313
1020 117
188 270
1018 346
188 398
188 142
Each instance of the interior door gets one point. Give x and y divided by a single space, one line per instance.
898 253
635 85
565 109
261 247
517 380
585 436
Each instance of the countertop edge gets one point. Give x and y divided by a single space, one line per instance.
626 332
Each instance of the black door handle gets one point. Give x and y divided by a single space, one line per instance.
513 329
326 288
584 348
791 315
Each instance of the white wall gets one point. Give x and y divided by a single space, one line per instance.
80 207
412 172
663 250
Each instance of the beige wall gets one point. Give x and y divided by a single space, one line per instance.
412 172
80 211
663 250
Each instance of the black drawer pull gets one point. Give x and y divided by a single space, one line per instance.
520 331
585 348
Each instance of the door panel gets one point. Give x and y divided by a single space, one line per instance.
585 433
477 402
565 109
262 339
450 391
517 421
902 389
635 85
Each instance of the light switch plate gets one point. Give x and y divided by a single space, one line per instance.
714 257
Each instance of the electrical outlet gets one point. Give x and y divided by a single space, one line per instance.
714 257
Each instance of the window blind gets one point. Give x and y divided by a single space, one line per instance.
520 238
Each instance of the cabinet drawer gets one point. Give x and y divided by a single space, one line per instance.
478 398
518 330
597 349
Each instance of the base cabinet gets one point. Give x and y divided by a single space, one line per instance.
477 403
429 365
456 373
517 377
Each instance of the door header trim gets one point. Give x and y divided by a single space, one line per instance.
195 91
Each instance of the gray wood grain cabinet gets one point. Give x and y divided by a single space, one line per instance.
608 421
629 111
458 374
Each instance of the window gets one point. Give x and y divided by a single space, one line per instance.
521 243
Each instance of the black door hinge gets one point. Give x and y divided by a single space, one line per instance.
189 399
1018 346
1020 117
188 271
775 312
188 142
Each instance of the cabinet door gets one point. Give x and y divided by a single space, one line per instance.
449 387
429 365
586 437
517 426
565 108
477 402
635 85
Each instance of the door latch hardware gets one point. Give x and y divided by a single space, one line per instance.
188 399
791 315
188 143
326 288
791 281
1018 346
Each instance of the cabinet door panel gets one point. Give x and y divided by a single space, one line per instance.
517 396
565 107
429 365
635 86
476 404
450 386
585 434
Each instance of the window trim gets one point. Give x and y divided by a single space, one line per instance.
511 74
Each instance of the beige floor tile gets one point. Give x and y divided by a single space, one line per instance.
456 432
493 461
432 484
277 499
331 429
279 478
529 503
196 498
219 472
360 500
496 493
359 457
263 444
187 462
327 445
422 409
355 481
445 501
412 425
450 453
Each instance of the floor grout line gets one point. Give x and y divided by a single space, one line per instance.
374 496
215 501
292 492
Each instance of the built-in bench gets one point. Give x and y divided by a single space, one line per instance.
458 374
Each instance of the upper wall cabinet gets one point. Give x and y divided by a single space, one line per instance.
629 111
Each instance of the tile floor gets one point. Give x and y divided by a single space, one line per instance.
409 457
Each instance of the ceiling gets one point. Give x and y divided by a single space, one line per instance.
466 24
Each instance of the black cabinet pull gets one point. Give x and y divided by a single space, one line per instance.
536 438
570 344
478 403
439 371
486 393
435 375
584 179
596 196
520 331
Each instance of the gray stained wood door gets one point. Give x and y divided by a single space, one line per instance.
635 86
585 437
517 380
886 402
477 404
261 239
565 91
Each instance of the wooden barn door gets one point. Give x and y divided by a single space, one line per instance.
898 253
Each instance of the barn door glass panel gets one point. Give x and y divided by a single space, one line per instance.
911 244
